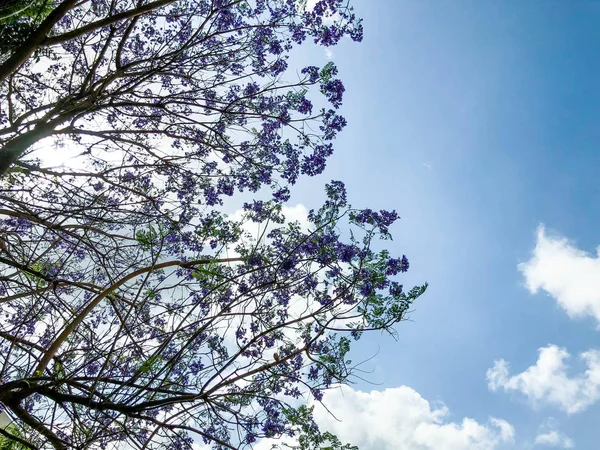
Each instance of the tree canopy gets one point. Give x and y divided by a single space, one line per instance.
135 312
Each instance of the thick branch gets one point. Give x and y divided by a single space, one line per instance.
21 54
123 408
104 22
14 148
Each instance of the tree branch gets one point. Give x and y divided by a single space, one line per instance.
34 423
32 43
104 22
79 318
16 438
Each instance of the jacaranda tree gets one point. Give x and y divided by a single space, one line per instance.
134 312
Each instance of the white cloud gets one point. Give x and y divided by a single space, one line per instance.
548 381
399 418
297 213
567 273
554 439
548 435
197 446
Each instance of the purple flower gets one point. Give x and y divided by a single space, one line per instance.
312 72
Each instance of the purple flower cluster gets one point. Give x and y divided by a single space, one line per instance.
382 219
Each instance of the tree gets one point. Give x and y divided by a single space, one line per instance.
18 19
134 311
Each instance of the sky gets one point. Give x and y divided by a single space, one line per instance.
478 122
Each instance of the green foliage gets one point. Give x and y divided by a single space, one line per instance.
147 238
11 444
335 361
39 268
295 97
150 364
18 19
327 72
310 438
151 237
16 10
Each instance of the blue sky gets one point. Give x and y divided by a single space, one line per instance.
478 121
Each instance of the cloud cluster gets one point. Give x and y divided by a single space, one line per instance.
554 439
550 436
399 418
567 273
549 382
